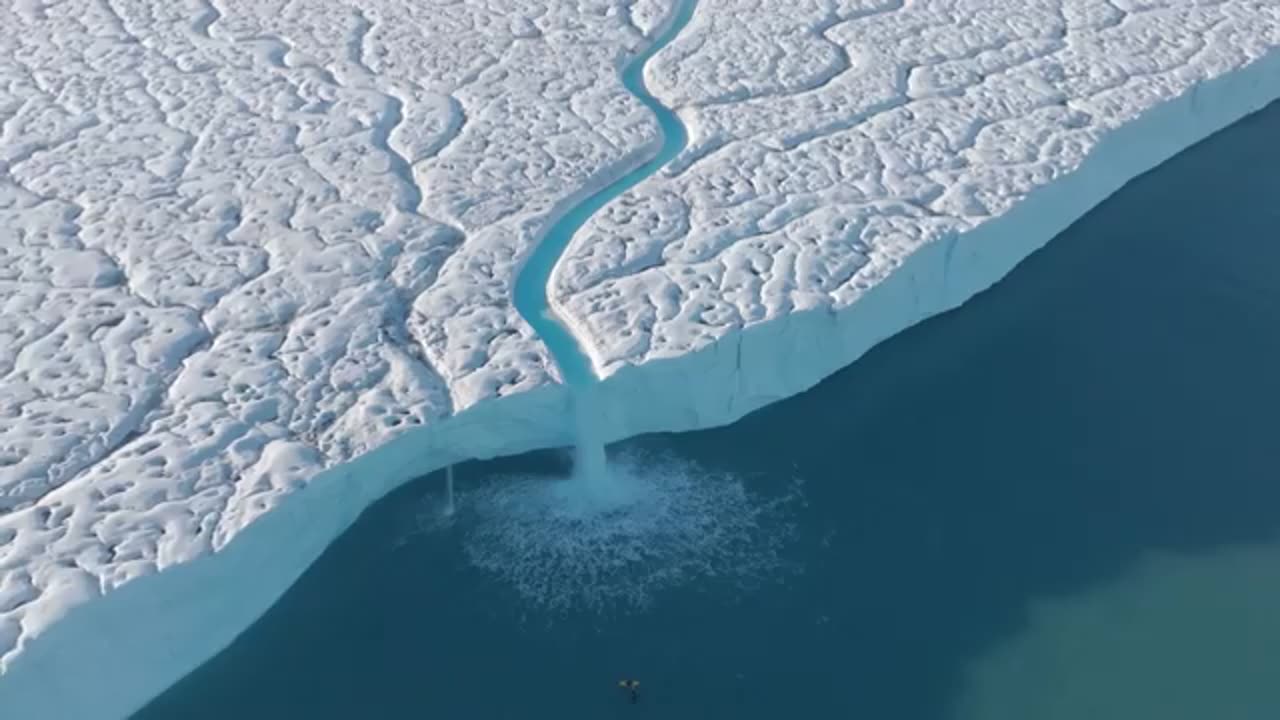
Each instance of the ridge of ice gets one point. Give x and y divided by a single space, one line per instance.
258 250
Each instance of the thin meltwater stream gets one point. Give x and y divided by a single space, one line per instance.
531 295
449 504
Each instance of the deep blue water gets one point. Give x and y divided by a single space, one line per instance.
1118 395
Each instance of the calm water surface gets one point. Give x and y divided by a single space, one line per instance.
1060 501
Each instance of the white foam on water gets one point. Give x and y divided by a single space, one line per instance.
653 522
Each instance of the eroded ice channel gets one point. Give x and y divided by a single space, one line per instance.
611 534
532 291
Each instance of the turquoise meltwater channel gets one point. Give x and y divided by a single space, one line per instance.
531 284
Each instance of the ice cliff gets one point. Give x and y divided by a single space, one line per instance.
257 256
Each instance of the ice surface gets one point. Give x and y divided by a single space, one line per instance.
832 141
242 242
246 244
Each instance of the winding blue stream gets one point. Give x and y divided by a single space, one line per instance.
531 284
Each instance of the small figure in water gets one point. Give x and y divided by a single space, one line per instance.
633 689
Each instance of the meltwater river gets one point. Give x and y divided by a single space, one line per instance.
531 284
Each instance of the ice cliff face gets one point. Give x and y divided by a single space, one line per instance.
244 243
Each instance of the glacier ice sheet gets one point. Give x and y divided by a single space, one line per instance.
258 251
875 129
244 242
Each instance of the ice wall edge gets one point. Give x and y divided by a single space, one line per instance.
107 658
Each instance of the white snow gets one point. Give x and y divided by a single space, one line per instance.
261 249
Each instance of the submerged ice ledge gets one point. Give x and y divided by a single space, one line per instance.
109 656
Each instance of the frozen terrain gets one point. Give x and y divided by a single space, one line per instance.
248 241
831 142
252 250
